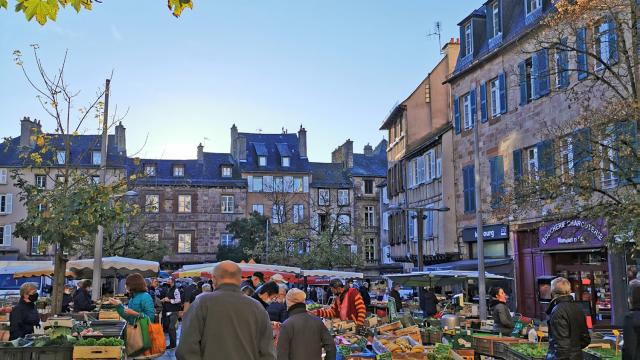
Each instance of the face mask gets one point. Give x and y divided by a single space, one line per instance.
33 297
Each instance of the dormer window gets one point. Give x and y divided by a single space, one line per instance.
285 161
150 169
468 39
495 13
262 161
96 157
178 170
60 157
533 5
226 171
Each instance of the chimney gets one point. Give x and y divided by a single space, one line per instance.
200 154
28 129
302 142
368 150
347 154
234 140
242 148
121 139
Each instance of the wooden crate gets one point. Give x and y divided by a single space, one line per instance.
487 345
390 327
412 331
97 352
108 315
463 354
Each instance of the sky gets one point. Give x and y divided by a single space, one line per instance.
335 67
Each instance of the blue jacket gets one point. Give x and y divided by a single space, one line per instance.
142 303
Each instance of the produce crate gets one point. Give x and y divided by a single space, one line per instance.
108 315
37 353
492 345
390 327
97 352
599 354
511 354
463 354
412 331
500 348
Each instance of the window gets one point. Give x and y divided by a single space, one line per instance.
178 170
430 164
41 181
257 185
277 214
152 203
494 89
286 161
496 166
368 186
343 197
492 249
153 237
150 169
227 171
344 223
297 185
4 175
279 184
60 157
526 81
420 170
412 225
466 106
95 179
262 161
468 43
227 204
581 53
533 5
532 161
184 243
606 43
288 184
96 157
428 225
37 247
5 235
495 11
227 240
608 178
566 159
184 203
469 186
298 213
6 203
369 216
257 208
324 197
370 250
324 222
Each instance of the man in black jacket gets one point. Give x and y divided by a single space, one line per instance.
364 292
24 316
568 333
429 303
171 305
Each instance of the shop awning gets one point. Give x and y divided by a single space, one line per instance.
31 271
206 270
115 265
330 274
430 278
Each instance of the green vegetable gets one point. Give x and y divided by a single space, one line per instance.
531 350
605 353
102 342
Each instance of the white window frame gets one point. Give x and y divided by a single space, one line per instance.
178 170
343 222
466 106
6 204
411 224
60 157
369 216
532 6
37 239
298 213
227 240
495 11
421 170
494 92
4 175
185 243
278 184
468 33
608 178
277 214
184 203
373 186
257 184
40 181
322 199
228 204
601 44
259 208
286 161
370 249
96 157
227 171
5 235
150 169
262 161
342 199
566 157
152 200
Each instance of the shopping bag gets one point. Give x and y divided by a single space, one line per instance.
144 329
158 342
137 336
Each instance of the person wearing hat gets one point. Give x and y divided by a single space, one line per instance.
348 304
303 335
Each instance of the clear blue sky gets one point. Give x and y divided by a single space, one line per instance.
335 66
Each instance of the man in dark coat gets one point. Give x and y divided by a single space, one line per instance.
82 299
303 336
502 320
24 316
631 330
568 333
364 292
395 294
429 303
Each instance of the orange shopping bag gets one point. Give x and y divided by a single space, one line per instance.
156 336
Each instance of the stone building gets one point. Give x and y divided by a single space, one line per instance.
420 174
85 156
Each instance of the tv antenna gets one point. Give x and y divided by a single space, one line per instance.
437 31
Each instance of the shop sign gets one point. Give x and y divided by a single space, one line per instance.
574 233
489 232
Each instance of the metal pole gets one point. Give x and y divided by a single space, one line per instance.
482 298
97 251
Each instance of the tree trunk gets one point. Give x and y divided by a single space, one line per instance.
59 272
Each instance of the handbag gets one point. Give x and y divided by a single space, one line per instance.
137 336
158 342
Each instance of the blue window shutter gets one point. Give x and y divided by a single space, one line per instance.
456 114
534 75
502 83
468 178
542 74
493 176
472 99
472 188
522 69
546 159
462 42
613 42
626 134
483 102
582 153
500 174
581 56
517 164
563 64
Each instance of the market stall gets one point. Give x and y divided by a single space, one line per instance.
322 277
206 270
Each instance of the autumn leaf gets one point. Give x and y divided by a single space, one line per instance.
178 5
3 4
41 9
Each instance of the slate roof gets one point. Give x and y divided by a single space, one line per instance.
275 146
329 175
80 156
209 173
374 165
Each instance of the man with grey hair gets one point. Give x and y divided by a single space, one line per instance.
226 324
24 316
568 333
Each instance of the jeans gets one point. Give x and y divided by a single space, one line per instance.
173 323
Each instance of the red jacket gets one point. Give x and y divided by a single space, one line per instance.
356 309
